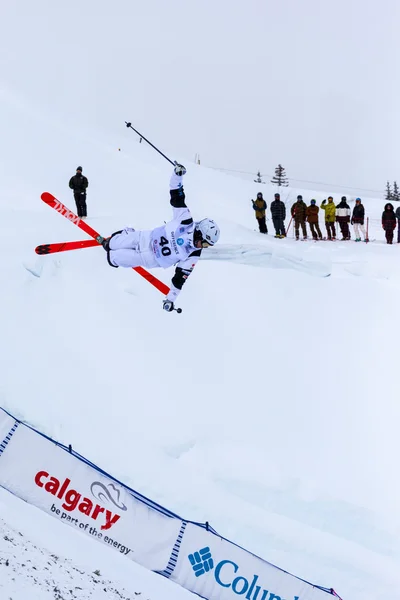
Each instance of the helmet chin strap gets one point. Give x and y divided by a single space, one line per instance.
197 237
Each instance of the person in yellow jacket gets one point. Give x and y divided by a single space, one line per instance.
260 206
330 217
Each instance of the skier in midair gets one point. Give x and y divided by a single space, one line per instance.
179 242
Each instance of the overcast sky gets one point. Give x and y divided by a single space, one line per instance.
311 84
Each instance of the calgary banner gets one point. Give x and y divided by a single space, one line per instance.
49 477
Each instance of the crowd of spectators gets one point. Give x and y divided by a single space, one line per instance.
337 218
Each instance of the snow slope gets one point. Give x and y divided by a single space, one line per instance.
40 559
269 407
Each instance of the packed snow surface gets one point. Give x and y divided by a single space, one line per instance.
269 407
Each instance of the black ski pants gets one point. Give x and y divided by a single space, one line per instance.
80 201
279 226
330 229
389 236
297 225
262 224
344 228
315 231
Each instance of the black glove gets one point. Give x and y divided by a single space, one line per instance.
168 305
323 201
179 169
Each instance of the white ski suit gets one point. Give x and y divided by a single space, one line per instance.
170 244
357 227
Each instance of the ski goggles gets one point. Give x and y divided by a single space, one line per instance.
205 244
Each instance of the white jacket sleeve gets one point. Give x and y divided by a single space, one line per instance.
176 181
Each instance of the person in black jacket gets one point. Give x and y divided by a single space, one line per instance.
278 212
79 184
389 222
357 220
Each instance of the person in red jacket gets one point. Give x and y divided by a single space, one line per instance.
389 222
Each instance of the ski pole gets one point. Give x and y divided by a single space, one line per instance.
152 145
290 222
178 310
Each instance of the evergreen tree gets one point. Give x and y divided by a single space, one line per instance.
389 195
258 180
280 178
396 195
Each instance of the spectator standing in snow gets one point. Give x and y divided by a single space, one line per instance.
299 214
389 222
79 183
260 207
330 216
357 220
343 218
312 218
278 212
398 224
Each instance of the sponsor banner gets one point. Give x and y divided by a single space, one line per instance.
47 476
217 569
6 424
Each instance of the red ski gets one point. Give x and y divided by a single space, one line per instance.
64 246
68 214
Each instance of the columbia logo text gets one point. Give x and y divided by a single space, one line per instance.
227 574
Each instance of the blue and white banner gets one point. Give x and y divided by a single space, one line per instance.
73 490
215 568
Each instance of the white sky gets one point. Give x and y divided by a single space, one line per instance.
311 84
